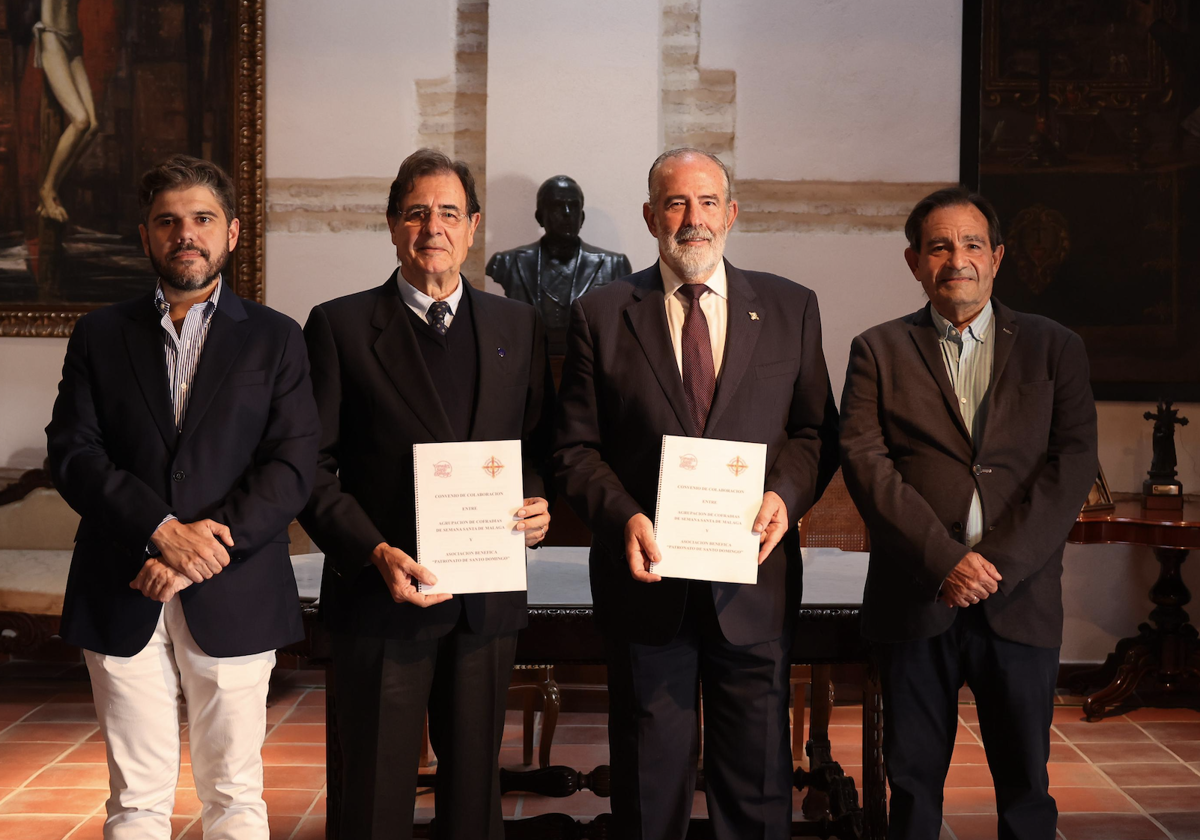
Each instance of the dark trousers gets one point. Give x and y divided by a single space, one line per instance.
652 732
384 687
1013 686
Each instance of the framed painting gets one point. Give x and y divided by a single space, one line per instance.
1081 122
93 93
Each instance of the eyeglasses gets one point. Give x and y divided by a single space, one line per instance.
419 216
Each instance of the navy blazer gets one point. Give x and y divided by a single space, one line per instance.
376 399
245 457
622 391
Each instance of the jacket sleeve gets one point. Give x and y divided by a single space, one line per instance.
277 484
538 427
84 474
333 517
809 458
896 514
1026 536
589 483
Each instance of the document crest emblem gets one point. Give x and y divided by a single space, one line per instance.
688 462
737 466
492 466
442 469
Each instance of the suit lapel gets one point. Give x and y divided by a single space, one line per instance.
527 270
1006 339
494 369
647 317
400 357
226 334
589 265
144 343
741 335
925 337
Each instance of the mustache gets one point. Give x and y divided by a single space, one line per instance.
188 246
693 232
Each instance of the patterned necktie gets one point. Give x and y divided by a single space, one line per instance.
699 375
438 310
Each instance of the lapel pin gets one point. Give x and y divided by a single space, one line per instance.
1007 330
753 316
500 352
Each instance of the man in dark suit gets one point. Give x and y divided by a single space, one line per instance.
185 435
422 358
694 346
969 444
559 268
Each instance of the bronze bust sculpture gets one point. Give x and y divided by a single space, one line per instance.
560 267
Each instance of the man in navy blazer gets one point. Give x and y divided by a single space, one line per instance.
694 346
185 436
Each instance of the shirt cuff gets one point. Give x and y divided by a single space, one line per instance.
151 548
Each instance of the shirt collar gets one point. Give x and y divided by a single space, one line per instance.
164 308
419 302
717 281
977 330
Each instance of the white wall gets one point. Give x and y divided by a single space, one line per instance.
573 89
339 83
866 90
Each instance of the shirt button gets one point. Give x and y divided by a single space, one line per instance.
179 475
962 400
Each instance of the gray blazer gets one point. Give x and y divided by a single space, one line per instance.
911 467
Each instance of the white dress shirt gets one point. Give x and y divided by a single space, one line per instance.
419 302
714 303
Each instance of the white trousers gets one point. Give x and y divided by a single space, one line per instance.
138 702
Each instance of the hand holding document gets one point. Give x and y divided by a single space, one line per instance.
709 493
468 494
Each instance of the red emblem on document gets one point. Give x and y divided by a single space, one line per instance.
442 469
492 466
737 466
687 462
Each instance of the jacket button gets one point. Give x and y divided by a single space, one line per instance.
977 469
956 527
179 476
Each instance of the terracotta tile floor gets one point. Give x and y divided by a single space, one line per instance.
1131 777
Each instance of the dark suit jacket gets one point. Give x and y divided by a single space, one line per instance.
245 457
376 400
622 391
911 468
517 270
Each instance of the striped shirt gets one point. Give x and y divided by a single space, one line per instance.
182 350
968 357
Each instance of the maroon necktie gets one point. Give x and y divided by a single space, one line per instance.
699 375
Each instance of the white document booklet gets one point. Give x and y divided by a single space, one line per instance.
467 495
709 492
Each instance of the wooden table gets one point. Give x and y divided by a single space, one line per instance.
1166 647
562 631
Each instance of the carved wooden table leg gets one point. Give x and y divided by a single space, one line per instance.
818 748
874 776
551 705
1169 649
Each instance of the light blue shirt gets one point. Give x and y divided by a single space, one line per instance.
968 356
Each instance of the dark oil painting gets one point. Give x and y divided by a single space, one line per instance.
93 93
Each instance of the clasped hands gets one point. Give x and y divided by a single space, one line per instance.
401 573
189 552
969 582
641 550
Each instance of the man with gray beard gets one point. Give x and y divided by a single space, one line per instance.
694 346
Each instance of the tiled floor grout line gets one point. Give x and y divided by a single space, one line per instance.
1100 769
